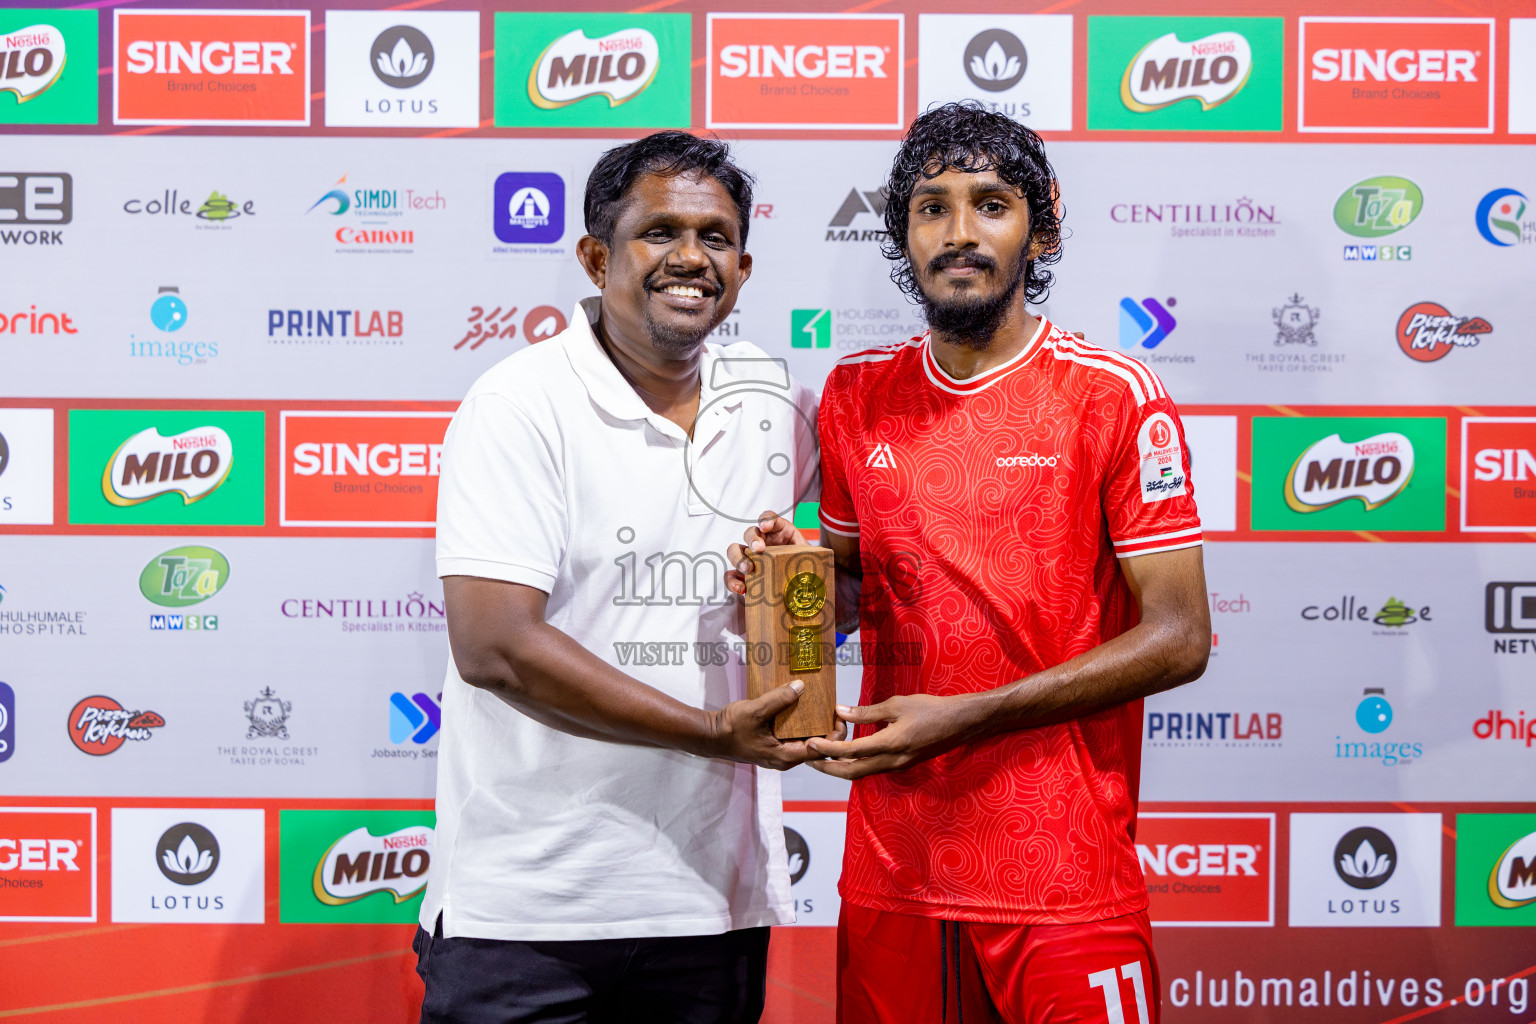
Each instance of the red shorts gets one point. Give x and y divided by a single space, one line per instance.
900 968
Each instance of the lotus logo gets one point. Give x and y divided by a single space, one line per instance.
1512 883
361 863
1212 70
402 56
799 852
1373 471
5 454
1378 206
31 60
995 60
192 464
618 66
187 853
184 576
1365 858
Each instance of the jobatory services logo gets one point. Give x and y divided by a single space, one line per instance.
1185 74
7 721
528 213
47 66
414 720
1018 65
1412 75
805 71
1208 870
498 323
188 865
1145 324
40 201
99 725
353 866
1496 870
167 467
1427 331
1374 473
1365 870
360 469
211 67
1498 473
402 69
168 314
336 327
26 467
1500 218
593 70
47 864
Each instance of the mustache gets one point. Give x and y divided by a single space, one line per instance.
945 260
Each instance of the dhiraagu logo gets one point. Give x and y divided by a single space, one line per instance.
353 866
1378 206
184 576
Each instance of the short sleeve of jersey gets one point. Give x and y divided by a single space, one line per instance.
1149 502
807 445
501 509
837 512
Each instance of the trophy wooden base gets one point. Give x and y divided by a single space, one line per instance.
790 630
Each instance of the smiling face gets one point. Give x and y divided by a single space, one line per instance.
675 264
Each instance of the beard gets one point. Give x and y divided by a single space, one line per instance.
970 320
680 340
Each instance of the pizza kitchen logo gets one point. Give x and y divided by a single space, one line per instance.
1211 70
1372 471
99 725
193 464
1427 331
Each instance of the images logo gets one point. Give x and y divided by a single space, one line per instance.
813 71
361 468
192 464
1396 75
1496 869
342 866
1498 473
1168 70
1377 207
1427 331
7 722
1145 323
48 863
810 328
168 313
184 576
1208 870
402 56
417 718
1498 218
38 83
528 208
593 70
211 67
1374 716
99 725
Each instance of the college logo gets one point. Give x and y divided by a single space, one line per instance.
7 722
1498 473
1427 331
593 70
211 67
1185 73
99 725
47 864
29 198
1496 869
1348 473
184 576
39 84
1146 323
842 71
185 865
414 719
164 467
540 323
1377 207
215 211
1016 65
1162 458
1365 870
528 208
342 866
361 468
1509 608
402 68
26 467
1208 870
1498 218
1396 75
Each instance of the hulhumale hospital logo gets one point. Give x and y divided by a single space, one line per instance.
1499 218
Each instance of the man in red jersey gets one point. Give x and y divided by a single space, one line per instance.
1013 522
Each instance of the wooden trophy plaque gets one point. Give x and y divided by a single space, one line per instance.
791 622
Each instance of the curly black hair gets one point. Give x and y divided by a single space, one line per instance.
967 137
665 153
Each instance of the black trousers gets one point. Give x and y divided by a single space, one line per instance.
695 979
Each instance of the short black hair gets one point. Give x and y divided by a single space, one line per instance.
665 153
967 137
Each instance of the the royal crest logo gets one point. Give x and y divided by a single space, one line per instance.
192 463
1373 471
98 725
1294 322
1427 331
31 60
617 66
361 863
1211 70
268 716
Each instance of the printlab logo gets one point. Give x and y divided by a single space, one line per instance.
45 86
1427 331
1215 728
415 719
528 209
1365 858
856 204
1498 218
1145 324
31 198
98 725
995 60
799 852
360 327
267 716
402 56
7 722
187 853
540 323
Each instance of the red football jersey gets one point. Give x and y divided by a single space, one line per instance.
990 513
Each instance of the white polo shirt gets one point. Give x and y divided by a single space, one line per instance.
557 475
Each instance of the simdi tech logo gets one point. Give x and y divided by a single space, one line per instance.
47 863
1415 75
593 70
48 66
1208 870
1185 74
166 467
353 866
1496 870
1498 473
808 71
361 469
211 67
1373 473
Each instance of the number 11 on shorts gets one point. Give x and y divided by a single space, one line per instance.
1110 983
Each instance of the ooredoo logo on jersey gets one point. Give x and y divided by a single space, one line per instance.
1396 75
211 67
805 71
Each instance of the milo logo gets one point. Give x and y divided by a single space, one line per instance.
1211 69
1373 471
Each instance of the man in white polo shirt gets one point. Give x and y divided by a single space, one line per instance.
608 844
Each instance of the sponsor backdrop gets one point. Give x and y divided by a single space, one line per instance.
251 258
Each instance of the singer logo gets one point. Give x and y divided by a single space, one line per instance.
1396 75
361 469
212 67
1208 870
805 71
1498 473
192 464
48 863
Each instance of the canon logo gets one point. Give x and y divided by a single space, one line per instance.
331 459
790 61
1027 460
1186 859
1505 464
1339 65
38 854
172 57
